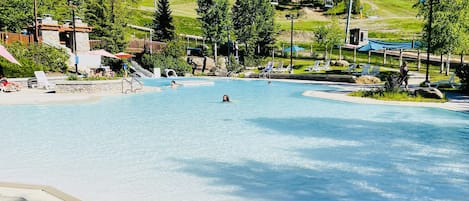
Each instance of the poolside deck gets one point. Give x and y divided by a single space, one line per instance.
28 192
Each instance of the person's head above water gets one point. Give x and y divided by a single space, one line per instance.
173 83
226 98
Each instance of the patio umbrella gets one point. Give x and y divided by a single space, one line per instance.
103 53
5 54
123 55
296 48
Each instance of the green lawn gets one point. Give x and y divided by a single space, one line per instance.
397 19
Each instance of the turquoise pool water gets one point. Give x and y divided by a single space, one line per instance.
271 143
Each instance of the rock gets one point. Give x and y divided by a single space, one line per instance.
367 80
342 63
429 92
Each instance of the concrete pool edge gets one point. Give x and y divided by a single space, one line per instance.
342 96
51 191
41 97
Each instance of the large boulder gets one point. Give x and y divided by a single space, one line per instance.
341 63
366 79
429 92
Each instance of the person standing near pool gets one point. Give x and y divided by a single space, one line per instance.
404 70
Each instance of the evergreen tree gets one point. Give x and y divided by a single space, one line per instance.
163 22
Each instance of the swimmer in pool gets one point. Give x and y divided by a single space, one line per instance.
173 84
226 98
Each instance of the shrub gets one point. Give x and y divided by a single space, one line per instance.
72 77
32 58
252 61
166 62
380 94
234 66
463 73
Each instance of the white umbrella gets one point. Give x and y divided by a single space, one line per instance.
5 54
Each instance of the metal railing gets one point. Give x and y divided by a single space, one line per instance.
134 82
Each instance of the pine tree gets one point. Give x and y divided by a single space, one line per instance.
163 22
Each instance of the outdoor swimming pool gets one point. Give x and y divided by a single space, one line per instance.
271 143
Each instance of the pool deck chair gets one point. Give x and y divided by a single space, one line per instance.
365 70
326 65
266 71
449 81
280 68
315 67
350 68
374 71
42 81
9 88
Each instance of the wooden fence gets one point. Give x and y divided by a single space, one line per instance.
8 38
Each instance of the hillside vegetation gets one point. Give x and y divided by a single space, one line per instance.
385 19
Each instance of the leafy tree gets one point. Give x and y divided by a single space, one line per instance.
356 6
108 19
214 17
163 22
329 35
450 27
15 15
60 9
253 23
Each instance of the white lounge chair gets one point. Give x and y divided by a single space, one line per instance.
42 81
449 81
350 68
365 70
315 67
266 71
326 65
9 88
279 68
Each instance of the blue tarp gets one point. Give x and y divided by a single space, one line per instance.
296 48
379 45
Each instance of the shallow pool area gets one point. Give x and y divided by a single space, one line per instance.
270 143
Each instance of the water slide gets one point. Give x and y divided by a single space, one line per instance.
139 70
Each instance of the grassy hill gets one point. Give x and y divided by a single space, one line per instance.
385 19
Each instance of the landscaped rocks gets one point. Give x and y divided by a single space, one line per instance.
429 92
341 63
367 80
